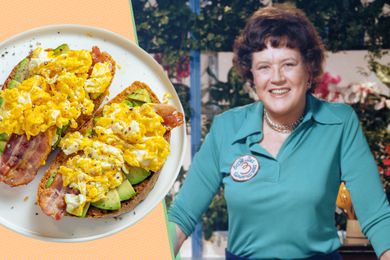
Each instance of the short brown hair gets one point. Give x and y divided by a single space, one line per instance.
279 26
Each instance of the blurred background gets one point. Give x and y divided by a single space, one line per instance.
192 40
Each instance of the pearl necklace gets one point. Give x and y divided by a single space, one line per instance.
285 128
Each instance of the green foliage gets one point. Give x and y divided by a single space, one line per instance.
184 96
220 21
215 218
348 24
223 96
164 27
169 26
375 123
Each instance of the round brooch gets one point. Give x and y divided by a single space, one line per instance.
244 168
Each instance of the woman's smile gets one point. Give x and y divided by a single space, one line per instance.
277 92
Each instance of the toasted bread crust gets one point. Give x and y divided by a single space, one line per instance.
13 72
142 189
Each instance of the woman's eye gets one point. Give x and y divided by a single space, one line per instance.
290 65
262 67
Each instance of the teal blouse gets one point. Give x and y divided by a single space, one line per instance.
286 210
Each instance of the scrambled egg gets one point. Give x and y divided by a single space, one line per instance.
56 93
122 136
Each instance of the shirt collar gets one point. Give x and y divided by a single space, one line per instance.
253 123
320 111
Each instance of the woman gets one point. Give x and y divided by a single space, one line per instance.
281 160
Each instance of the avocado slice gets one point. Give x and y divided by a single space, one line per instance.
50 179
3 142
59 133
2 146
140 95
137 98
85 210
63 48
136 174
133 103
125 190
129 103
13 84
111 202
89 132
58 136
95 120
4 137
21 73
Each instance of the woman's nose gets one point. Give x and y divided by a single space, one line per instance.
277 76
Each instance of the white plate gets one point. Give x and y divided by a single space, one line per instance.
18 210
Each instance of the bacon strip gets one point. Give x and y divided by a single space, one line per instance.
22 158
52 199
171 116
98 56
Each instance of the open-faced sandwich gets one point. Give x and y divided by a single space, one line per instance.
111 164
47 94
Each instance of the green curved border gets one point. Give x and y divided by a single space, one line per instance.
170 228
133 21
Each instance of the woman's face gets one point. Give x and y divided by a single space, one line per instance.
281 81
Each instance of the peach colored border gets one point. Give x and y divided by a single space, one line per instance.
147 239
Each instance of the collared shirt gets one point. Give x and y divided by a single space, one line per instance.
286 208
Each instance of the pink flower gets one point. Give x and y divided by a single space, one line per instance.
182 68
327 88
382 104
386 161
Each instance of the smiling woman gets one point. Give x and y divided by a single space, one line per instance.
284 157
281 82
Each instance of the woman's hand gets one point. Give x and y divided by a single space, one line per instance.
177 238
385 255
181 237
